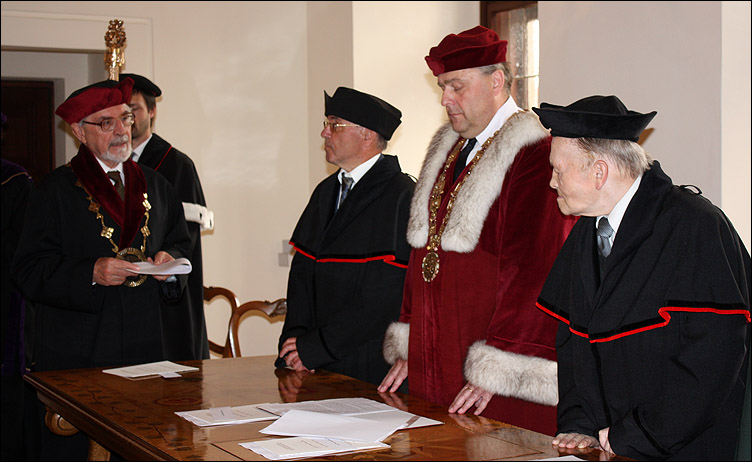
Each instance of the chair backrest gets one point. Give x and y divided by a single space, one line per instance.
231 348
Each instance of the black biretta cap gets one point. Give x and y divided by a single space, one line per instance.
363 109
142 84
594 117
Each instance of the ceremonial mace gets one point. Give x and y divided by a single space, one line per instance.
114 39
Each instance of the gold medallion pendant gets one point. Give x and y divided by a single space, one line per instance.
132 255
430 266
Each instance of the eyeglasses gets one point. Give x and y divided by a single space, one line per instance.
335 126
108 124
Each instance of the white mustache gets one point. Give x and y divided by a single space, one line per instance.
119 140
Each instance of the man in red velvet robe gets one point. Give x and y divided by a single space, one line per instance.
483 242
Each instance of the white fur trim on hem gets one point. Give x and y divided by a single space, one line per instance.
396 342
199 214
510 374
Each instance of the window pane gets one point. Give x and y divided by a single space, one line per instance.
520 28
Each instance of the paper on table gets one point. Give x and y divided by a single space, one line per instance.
177 266
404 419
349 406
563 458
318 425
295 447
227 415
142 370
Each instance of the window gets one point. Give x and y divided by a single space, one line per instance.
517 23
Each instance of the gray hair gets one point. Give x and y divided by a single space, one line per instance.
628 156
506 68
381 142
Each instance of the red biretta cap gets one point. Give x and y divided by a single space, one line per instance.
476 47
94 98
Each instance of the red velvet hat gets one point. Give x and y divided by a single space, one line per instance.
94 98
476 47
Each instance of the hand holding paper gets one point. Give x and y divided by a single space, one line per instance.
177 266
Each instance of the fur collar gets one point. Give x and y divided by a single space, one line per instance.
480 190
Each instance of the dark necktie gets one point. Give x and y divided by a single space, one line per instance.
115 176
462 158
347 183
604 233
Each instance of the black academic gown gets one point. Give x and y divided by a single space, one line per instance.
80 324
657 350
346 279
184 322
16 187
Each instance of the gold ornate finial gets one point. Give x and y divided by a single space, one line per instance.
114 39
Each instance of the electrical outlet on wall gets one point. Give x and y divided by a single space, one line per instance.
284 257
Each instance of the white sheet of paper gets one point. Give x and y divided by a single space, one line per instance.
295 447
142 370
227 415
318 425
345 406
400 417
563 458
177 266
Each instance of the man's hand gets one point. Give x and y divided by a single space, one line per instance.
575 440
289 353
394 378
110 271
468 396
159 258
392 399
603 437
290 383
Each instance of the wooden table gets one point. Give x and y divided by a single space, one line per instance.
136 418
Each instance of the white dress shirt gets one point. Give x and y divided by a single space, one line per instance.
617 213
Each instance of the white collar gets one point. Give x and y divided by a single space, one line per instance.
617 213
358 172
506 111
140 149
106 169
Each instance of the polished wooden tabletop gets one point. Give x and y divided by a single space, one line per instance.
136 418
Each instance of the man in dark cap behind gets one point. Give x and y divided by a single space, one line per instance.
346 279
86 224
183 322
652 291
485 230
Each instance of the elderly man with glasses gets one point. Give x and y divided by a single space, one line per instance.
345 283
86 225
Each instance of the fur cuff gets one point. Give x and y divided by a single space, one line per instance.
510 374
396 341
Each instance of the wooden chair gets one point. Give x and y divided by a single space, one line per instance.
231 348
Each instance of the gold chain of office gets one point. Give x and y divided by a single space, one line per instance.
430 264
130 254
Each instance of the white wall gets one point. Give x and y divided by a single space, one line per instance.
735 115
663 56
243 90
390 44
